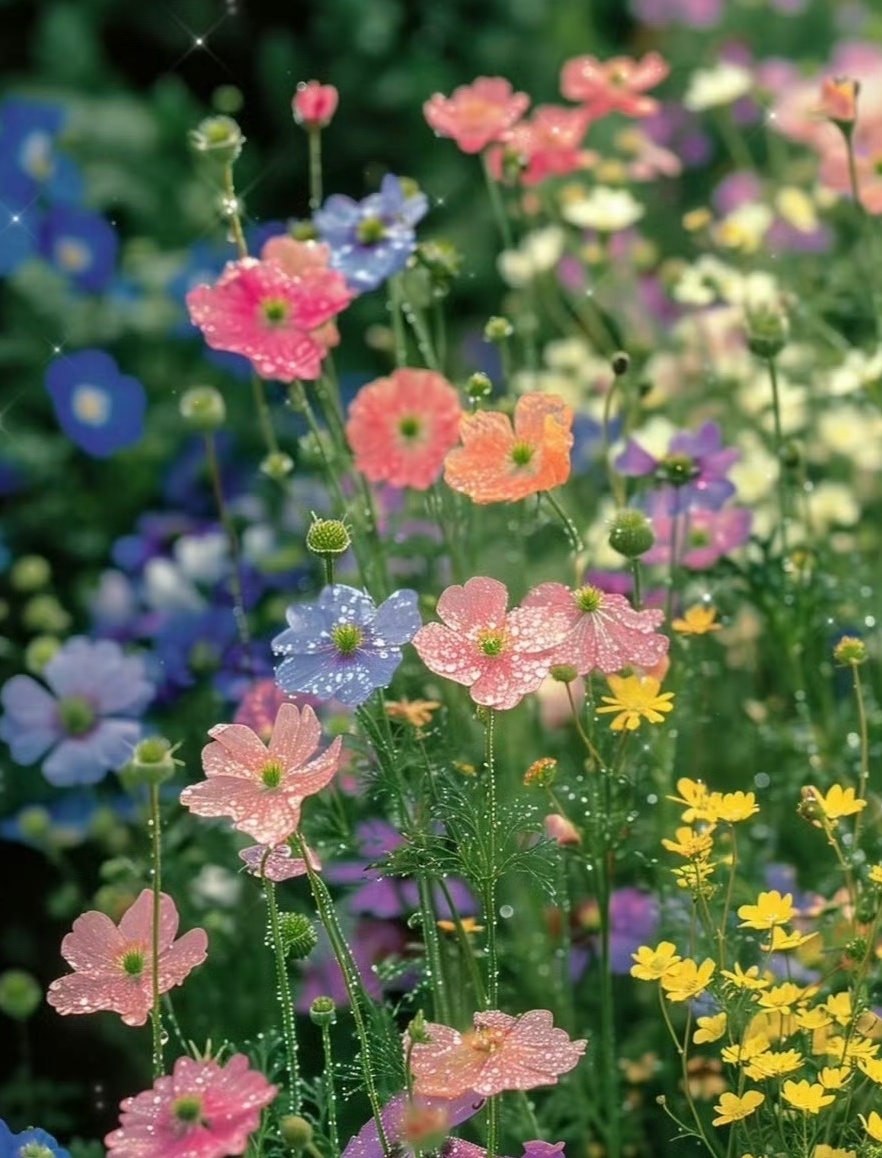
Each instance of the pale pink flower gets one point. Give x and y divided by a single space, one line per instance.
499 1053
314 104
617 85
500 655
201 1110
477 113
297 258
260 705
605 632
262 789
554 702
549 144
113 964
400 428
559 829
278 862
259 310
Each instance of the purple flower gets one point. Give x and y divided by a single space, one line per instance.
633 916
702 537
87 721
97 407
371 239
344 646
366 1143
29 1142
692 472
372 942
81 244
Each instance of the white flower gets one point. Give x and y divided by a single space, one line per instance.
755 473
856 370
745 227
203 558
537 253
604 209
833 504
797 208
711 87
755 397
854 433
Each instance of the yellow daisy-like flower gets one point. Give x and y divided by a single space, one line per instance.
417 713
710 1028
750 1048
687 979
822 1150
805 1096
772 1064
695 876
770 909
873 1125
699 619
731 1108
872 1067
690 844
812 1019
783 942
782 997
856 1049
838 1005
469 925
834 1077
746 978
875 874
734 806
694 794
636 698
653 964
839 801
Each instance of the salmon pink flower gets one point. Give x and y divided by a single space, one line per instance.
497 463
314 104
708 536
278 862
606 633
201 1110
500 655
549 144
263 788
617 85
477 113
401 427
259 310
113 964
499 1053
296 258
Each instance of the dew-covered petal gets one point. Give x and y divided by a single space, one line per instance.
137 921
244 749
177 961
480 602
277 862
397 619
314 776
80 993
447 654
344 604
93 944
295 735
310 673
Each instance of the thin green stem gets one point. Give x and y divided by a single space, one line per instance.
423 335
284 993
492 1127
156 855
465 945
783 497
315 167
497 205
489 883
231 209
609 1059
865 748
570 529
264 418
396 309
233 540
638 589
331 1091
434 963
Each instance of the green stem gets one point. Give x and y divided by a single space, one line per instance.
433 951
465 945
235 553
331 1091
492 1127
489 883
865 749
285 1001
422 334
264 418
616 482
315 167
231 207
396 308
783 502
570 529
156 1009
497 206
638 590
609 1059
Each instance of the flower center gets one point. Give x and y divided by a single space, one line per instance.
588 599
91 405
203 657
133 962
36 1150
72 255
36 156
371 230
409 427
77 715
187 1108
271 774
346 637
678 469
275 311
521 453
699 538
486 1040
492 642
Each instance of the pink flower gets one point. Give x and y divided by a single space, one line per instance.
401 427
477 113
200 1110
616 85
113 964
560 829
547 145
314 104
709 536
277 862
500 655
297 258
605 632
499 1053
259 310
260 705
263 789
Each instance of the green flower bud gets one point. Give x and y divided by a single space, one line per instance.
850 650
296 1132
203 408
479 386
152 761
35 824
30 573
227 98
564 673
409 187
277 465
442 261
20 995
631 534
303 231
44 613
767 331
328 537
219 138
621 363
299 936
416 1031
39 651
498 330
323 1011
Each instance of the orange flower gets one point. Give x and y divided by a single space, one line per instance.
498 464
839 99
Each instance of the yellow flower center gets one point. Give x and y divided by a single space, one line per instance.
90 405
588 599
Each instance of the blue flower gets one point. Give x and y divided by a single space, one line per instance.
29 157
99 409
81 244
344 646
29 1142
88 718
193 644
371 239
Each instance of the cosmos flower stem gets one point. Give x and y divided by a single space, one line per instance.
421 332
492 1127
865 748
465 946
783 497
497 206
573 537
315 167
235 554
616 481
396 309
433 952
156 854
330 1090
264 417
586 740
867 253
489 883
171 1019
638 591
284 994
232 205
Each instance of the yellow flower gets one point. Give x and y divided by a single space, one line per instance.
697 620
690 844
822 1150
695 876
734 806
873 1125
834 1077
771 1064
636 698
731 1108
749 1049
838 802
872 1067
856 1049
687 979
782 942
811 1019
806 1097
839 1007
694 794
875 874
782 997
710 1028
417 713
746 978
653 964
469 925
770 909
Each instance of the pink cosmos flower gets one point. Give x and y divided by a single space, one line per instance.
477 113
259 310
314 104
297 258
560 829
201 1110
605 632
499 1053
709 536
617 85
262 788
113 964
549 144
278 862
401 427
500 655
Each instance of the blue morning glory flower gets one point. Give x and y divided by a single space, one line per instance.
371 239
99 409
344 646
32 1141
29 157
81 244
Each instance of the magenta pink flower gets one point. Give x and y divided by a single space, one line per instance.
201 1110
605 632
549 144
314 104
617 85
500 655
477 113
499 1053
262 788
702 538
273 318
113 964
401 427
278 862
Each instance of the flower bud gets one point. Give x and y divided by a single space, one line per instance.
416 1031
541 773
313 105
45 614
850 650
35 824
152 761
219 138
39 651
203 408
479 386
303 231
562 830
323 1011
498 330
767 331
299 937
277 465
563 673
20 995
227 98
30 573
621 363
328 538
839 101
296 1132
631 534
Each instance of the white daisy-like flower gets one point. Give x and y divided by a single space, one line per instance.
605 209
713 87
537 253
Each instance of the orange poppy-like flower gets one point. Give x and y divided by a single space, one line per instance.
499 462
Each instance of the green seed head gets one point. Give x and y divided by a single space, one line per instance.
323 1011
203 408
77 715
299 937
219 138
498 330
328 537
631 534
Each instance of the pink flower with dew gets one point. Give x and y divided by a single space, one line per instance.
314 104
476 114
400 428
709 536
499 1053
297 258
605 632
113 963
272 318
201 1110
278 862
618 85
501 656
549 144
561 830
263 788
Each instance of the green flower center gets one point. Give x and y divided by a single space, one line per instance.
492 642
271 774
371 230
187 1108
133 962
275 311
588 599
678 469
346 637
35 1150
77 715
522 453
699 538
409 427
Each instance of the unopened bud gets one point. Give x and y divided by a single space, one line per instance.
30 573
277 465
498 329
296 1132
631 534
20 996
621 363
323 1011
767 331
416 1031
328 537
563 673
850 650
219 138
39 651
479 386
203 408
541 773
299 937
153 761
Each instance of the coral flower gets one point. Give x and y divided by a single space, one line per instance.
497 463
477 113
500 655
549 144
839 99
605 633
499 1053
636 698
262 788
314 104
402 427
278 863
200 1110
259 310
112 964
617 85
